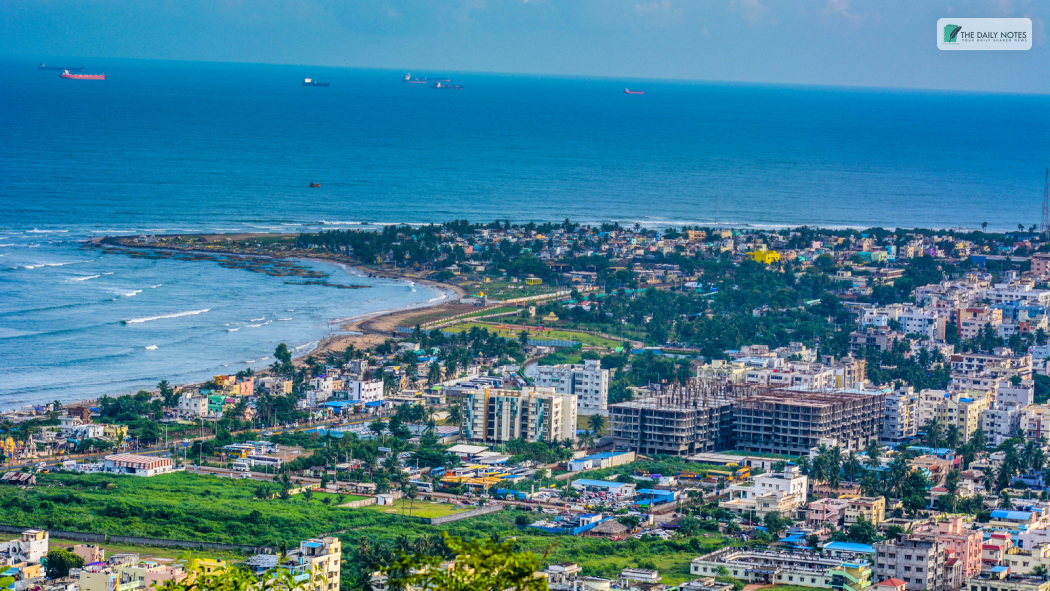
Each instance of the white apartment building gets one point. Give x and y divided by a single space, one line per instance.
1002 362
1017 291
971 321
778 491
589 382
364 390
929 323
1035 421
902 416
535 414
808 376
192 406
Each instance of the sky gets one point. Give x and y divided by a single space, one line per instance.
880 43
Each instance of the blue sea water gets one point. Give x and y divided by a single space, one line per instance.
164 147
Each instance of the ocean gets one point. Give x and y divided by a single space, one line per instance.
163 147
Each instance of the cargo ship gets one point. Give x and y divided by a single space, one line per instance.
629 91
68 76
309 82
408 78
449 86
43 66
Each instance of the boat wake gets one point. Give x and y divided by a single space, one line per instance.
85 278
151 348
176 315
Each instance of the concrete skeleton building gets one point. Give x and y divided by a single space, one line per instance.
679 420
919 561
535 414
792 422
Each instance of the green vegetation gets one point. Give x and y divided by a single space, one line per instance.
513 332
415 508
481 565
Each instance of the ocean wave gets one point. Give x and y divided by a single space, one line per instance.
156 286
108 273
283 319
6 244
85 278
252 326
256 319
232 329
40 265
132 293
164 316
151 348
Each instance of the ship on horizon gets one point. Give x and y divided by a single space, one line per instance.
629 91
311 82
446 86
65 74
409 79
44 66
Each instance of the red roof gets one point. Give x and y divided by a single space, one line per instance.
891 582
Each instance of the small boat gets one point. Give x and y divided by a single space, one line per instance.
65 74
314 185
446 86
310 82
629 91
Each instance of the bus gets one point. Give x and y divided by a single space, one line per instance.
422 485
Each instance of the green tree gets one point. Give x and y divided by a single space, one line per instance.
775 522
60 561
596 422
480 565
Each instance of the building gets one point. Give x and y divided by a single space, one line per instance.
609 486
805 569
679 421
875 338
1000 579
870 509
962 409
961 543
792 422
778 491
901 420
320 558
137 465
920 562
589 382
534 414
364 390
766 257
718 370
192 406
29 547
826 511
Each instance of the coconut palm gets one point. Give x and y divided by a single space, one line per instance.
596 422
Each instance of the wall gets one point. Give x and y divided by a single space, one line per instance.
135 540
464 515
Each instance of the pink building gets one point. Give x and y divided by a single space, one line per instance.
826 512
961 543
994 550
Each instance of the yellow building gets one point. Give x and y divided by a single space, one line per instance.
871 509
533 281
209 565
764 256
321 559
115 432
963 409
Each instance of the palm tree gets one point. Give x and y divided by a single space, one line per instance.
851 467
951 436
596 423
934 435
454 414
874 455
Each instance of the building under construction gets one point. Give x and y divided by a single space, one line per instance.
713 416
679 420
791 422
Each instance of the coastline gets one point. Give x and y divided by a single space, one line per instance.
362 331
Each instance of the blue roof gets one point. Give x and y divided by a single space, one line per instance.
1011 515
850 547
599 456
1000 569
795 538
313 544
374 403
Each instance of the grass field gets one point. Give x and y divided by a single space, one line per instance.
511 331
506 290
424 509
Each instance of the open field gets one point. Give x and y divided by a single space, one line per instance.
426 509
506 290
511 331
178 505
